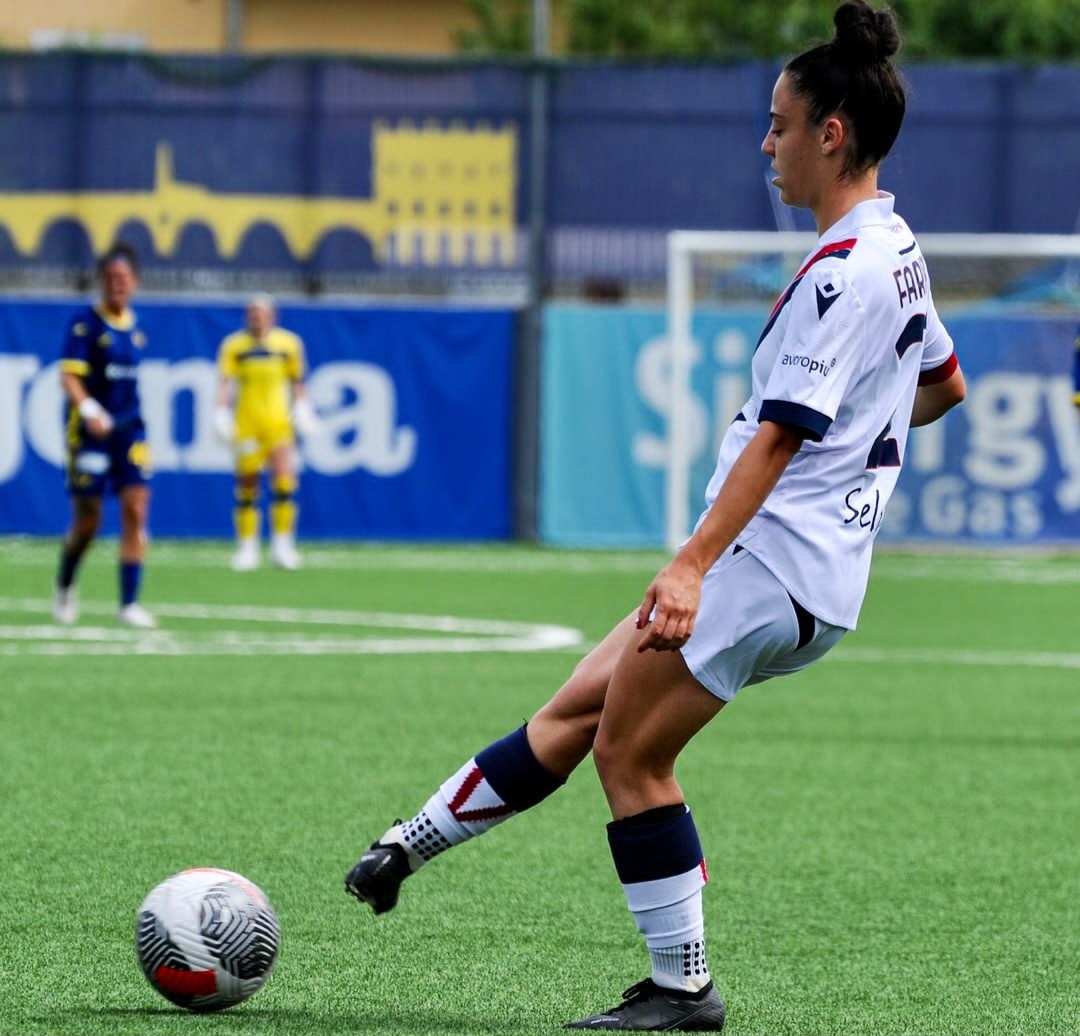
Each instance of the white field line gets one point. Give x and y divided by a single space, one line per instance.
481 635
976 570
951 657
309 616
471 635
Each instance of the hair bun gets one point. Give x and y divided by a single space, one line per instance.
865 36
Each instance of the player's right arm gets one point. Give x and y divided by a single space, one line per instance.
669 609
224 421
74 366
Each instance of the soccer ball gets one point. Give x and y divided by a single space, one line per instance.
207 938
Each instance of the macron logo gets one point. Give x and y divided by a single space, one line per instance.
827 294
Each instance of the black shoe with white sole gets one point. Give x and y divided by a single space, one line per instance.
648 1007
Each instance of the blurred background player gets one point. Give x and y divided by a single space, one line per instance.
105 435
261 405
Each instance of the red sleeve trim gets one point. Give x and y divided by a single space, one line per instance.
939 374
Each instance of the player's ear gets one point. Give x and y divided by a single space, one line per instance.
832 135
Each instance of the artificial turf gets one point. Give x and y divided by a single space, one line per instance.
891 835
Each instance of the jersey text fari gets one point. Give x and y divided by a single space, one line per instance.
911 281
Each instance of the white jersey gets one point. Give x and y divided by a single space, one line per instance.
840 358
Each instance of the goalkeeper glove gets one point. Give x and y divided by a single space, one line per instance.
304 418
224 425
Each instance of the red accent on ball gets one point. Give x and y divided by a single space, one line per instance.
186 983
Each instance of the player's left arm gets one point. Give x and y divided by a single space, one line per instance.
304 418
941 381
934 399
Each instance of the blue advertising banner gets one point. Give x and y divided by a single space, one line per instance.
415 408
1002 469
605 403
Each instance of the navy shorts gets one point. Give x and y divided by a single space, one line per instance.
97 465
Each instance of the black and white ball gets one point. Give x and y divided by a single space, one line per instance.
207 938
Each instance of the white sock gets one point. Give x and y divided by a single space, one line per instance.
464 806
668 912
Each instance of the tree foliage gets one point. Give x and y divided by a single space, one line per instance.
1021 30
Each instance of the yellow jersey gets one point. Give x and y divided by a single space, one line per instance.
263 371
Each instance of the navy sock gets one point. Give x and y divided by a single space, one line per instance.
654 844
515 774
130 577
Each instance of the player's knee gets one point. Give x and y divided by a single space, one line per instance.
87 519
246 492
624 766
133 512
283 487
610 760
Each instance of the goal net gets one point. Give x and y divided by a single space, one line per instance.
740 274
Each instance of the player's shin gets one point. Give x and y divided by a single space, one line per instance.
246 513
70 556
283 508
130 579
658 858
504 779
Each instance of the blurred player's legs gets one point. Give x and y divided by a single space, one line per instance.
283 509
134 504
246 523
85 521
126 462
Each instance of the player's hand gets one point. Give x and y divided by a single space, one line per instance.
304 419
670 607
98 420
224 425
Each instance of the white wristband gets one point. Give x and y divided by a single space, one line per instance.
90 410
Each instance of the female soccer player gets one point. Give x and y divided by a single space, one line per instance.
106 437
774 574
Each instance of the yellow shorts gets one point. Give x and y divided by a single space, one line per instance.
256 440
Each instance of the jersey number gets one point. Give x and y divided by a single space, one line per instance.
885 453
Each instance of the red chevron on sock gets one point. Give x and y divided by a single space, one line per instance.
464 793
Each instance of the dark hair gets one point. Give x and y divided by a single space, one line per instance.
852 74
119 251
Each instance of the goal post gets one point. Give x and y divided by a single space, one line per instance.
995 259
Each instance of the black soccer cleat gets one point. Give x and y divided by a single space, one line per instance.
648 1007
377 876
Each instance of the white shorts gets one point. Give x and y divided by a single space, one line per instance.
749 629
